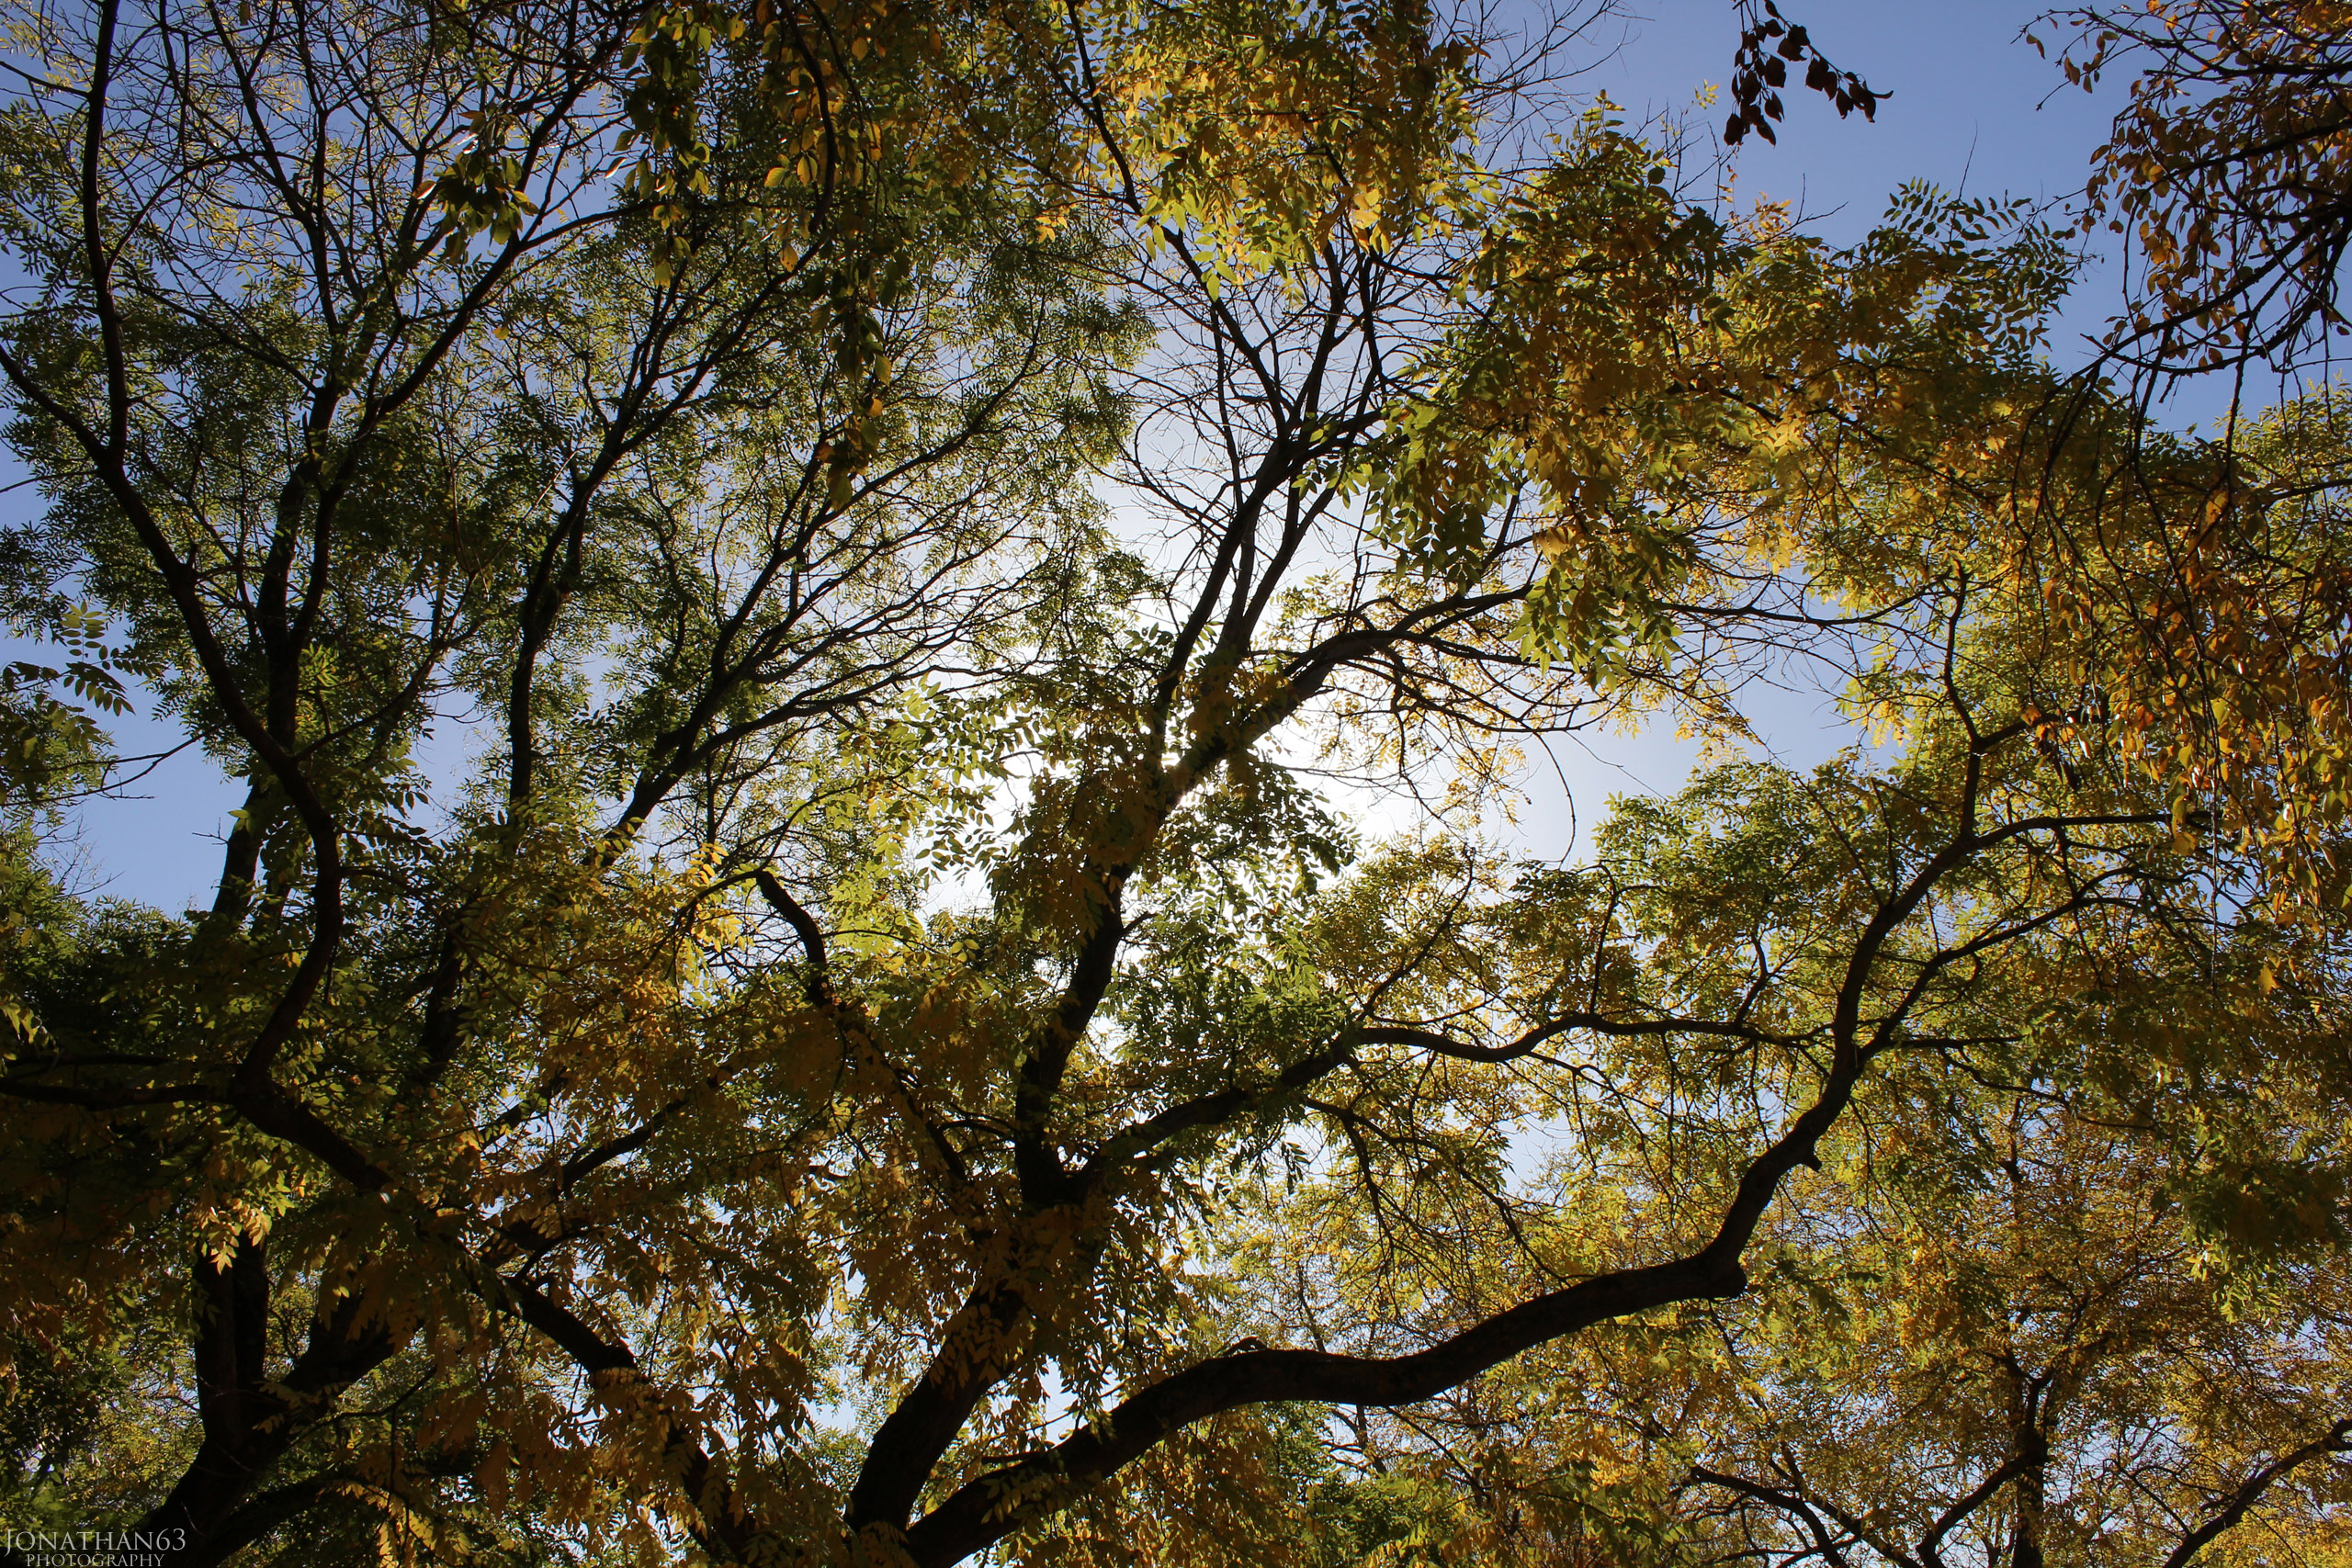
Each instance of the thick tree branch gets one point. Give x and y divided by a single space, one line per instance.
2233 1509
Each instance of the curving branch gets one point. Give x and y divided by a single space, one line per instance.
2234 1508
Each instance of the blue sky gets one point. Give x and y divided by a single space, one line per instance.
1971 108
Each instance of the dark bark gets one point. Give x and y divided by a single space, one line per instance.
248 1422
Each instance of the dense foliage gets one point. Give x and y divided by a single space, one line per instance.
803 596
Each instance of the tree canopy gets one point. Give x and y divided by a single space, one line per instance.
809 601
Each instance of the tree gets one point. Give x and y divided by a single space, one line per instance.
2076 1381
2225 174
1990 1331
814 1081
